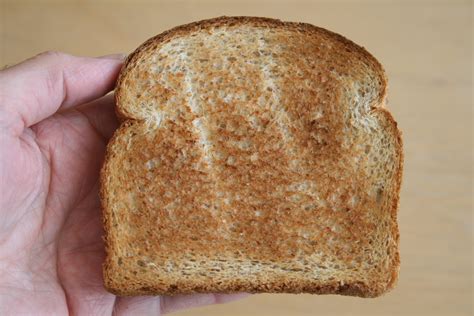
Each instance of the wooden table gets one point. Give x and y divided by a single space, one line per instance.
426 49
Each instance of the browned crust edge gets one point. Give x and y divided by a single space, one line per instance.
350 289
353 289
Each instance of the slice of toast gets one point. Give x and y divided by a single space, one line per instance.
254 156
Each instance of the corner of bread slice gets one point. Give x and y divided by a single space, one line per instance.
111 282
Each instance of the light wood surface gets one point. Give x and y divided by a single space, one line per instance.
426 49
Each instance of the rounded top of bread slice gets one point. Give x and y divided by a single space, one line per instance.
254 155
339 54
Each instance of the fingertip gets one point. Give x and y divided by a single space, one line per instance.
171 304
119 56
226 298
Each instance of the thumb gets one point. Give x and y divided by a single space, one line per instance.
38 87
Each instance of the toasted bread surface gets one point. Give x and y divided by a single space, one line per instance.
254 155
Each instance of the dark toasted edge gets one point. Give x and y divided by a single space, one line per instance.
359 289
397 134
186 29
108 238
354 289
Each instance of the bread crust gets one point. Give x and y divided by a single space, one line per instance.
286 285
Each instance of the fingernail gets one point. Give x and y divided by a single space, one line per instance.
114 56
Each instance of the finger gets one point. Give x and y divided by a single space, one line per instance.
101 115
171 304
140 305
151 305
38 87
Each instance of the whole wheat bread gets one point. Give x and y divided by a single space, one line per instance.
254 155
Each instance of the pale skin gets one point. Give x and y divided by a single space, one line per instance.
54 126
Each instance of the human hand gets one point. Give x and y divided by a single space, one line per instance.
51 149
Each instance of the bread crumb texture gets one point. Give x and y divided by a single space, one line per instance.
254 155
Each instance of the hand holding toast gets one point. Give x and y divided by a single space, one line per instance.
54 125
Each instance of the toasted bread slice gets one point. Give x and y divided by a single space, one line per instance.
254 155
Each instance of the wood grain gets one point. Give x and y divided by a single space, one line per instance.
426 48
